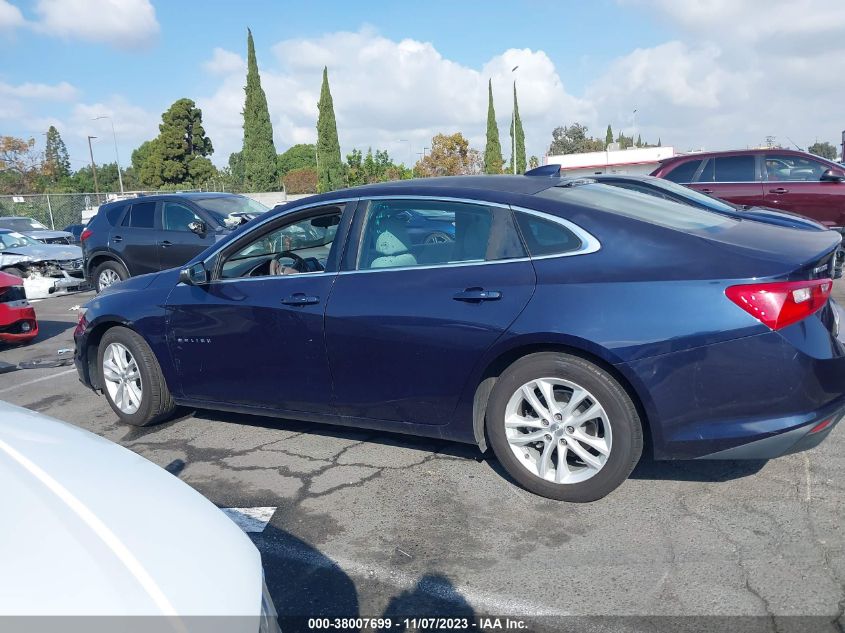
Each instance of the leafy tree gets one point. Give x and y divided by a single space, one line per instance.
236 171
825 150
493 149
329 164
608 137
259 152
533 162
450 155
56 159
302 180
519 143
297 157
19 164
639 140
178 155
573 139
378 167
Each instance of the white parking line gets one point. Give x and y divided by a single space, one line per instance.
42 379
250 519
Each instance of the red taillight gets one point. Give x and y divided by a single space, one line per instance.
781 303
821 426
86 233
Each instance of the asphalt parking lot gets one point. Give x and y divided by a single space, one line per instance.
364 523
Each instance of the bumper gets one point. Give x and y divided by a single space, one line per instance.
17 324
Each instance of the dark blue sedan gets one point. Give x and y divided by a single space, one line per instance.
562 324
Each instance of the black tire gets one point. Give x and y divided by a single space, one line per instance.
626 427
17 272
112 265
156 401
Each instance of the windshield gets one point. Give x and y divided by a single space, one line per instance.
691 194
639 206
16 240
22 224
221 207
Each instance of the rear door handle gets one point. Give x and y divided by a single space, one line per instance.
706 191
477 295
117 238
166 243
779 190
300 299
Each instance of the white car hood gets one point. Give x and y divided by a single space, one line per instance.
58 252
90 528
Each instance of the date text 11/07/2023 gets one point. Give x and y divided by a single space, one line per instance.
419 624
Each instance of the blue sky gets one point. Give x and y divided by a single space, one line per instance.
704 73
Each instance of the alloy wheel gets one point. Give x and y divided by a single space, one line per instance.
558 430
122 378
107 277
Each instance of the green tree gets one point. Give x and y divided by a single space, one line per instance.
493 149
450 155
378 167
329 164
19 168
303 180
659 142
259 152
573 139
533 162
517 144
608 137
236 171
56 159
825 150
297 157
639 140
179 154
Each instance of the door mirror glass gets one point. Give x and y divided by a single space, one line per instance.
195 275
830 176
197 227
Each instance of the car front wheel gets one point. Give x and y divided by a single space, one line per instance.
131 378
563 427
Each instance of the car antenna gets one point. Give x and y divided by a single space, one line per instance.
795 144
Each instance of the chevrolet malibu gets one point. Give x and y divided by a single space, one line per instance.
564 324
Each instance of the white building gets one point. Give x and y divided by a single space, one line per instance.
634 161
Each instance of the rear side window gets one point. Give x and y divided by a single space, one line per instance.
683 172
545 237
141 215
734 169
113 213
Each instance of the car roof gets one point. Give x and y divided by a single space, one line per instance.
15 217
195 195
740 152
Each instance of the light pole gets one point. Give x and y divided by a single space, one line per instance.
513 124
94 168
116 156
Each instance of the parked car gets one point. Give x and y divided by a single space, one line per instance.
782 179
150 233
76 231
566 322
91 528
36 230
17 316
23 256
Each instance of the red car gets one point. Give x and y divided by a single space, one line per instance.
781 179
17 316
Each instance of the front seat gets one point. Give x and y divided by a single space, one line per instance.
393 246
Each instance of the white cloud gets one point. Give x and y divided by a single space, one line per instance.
132 124
121 23
225 62
10 16
386 90
62 91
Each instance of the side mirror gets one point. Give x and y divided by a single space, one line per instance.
830 176
194 275
197 227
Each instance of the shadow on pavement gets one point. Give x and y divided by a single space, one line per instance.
696 470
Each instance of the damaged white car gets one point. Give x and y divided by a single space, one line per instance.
44 268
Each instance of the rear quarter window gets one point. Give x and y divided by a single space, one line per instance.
683 172
546 237
113 214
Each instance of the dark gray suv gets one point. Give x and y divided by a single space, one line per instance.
151 233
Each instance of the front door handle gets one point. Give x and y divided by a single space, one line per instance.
166 243
477 295
300 299
779 190
706 191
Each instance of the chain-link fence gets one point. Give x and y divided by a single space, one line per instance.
58 210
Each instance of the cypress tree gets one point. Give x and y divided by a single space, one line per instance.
519 144
608 138
493 150
259 152
329 164
639 141
659 143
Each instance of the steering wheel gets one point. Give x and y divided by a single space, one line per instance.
276 266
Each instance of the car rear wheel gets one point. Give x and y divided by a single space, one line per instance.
131 378
108 273
563 427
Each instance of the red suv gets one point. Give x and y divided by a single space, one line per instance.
778 178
